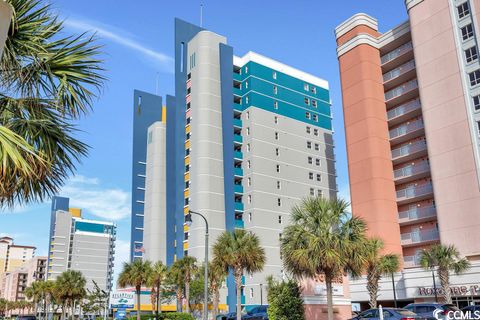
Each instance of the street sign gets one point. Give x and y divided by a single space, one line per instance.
121 313
120 299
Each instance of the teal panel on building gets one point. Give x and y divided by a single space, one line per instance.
89 227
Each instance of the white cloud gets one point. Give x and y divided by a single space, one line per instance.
122 254
88 194
123 38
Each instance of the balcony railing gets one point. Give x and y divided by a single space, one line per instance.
408 149
239 206
397 52
237 122
403 109
398 91
238 155
413 192
395 73
420 236
238 188
406 129
417 214
411 261
239 224
411 170
238 172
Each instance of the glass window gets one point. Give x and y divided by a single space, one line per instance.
308 129
276 120
315 118
305 86
309 144
248 131
279 185
471 54
476 102
319 177
310 175
317 146
280 219
474 77
307 101
275 105
467 32
317 162
278 168
315 132
314 89
277 152
478 127
275 89
279 202
310 160
314 103
274 75
463 10
312 191
276 135
307 115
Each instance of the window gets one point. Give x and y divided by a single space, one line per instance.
249 198
187 136
280 219
467 32
246 84
317 146
278 168
463 10
308 129
310 175
251 292
315 118
314 103
305 86
274 75
275 104
249 164
189 120
319 177
279 185
248 115
478 127
248 147
319 193
310 160
314 89
277 152
476 102
279 202
186 201
307 115
307 101
474 77
312 191
471 54
275 89
309 144
246 100
276 120
279 236
249 182
246 70
248 131
249 217
276 135
315 132
317 162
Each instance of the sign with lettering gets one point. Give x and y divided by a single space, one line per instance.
454 290
120 299
321 290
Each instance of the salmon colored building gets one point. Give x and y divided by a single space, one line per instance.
411 102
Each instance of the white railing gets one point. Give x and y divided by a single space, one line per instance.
403 109
420 236
411 148
392 74
398 91
397 52
406 128
417 214
412 192
411 170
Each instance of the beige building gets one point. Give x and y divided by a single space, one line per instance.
5 16
13 256
411 100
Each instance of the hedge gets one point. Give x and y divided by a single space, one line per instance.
166 316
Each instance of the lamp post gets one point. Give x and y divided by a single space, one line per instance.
394 291
188 221
434 284
261 294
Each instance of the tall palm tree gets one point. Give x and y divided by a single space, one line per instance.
48 288
35 293
48 79
70 288
378 265
323 239
3 306
188 266
217 272
156 280
135 274
241 251
446 258
176 278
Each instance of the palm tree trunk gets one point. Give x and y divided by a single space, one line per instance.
328 282
187 296
238 283
372 287
216 299
179 299
63 311
139 308
159 303
445 282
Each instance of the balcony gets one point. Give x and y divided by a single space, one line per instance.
411 172
398 75
409 152
397 54
237 139
237 106
238 155
237 76
238 188
238 172
239 224
417 215
419 237
407 132
404 112
237 123
411 261
414 193
402 93
237 92
239 206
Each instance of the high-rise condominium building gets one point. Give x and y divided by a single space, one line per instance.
245 139
12 255
411 100
147 108
80 244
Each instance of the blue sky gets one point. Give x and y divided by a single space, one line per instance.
138 44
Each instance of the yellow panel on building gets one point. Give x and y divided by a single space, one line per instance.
187 160
164 114
187 144
76 212
185 228
187 176
187 129
185 245
186 193
185 210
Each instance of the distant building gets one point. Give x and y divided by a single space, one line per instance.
5 17
80 244
13 256
14 283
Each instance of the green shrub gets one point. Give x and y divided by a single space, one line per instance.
285 301
166 316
